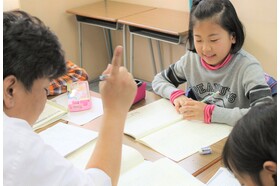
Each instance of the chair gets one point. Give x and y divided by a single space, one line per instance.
272 84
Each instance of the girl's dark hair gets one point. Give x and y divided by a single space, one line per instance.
252 142
30 50
224 13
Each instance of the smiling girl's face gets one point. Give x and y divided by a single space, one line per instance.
211 41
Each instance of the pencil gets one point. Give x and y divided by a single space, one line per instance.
208 97
101 78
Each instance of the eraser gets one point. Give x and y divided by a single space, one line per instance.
205 150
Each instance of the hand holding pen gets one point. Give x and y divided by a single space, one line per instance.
117 90
117 87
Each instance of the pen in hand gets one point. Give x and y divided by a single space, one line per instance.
211 96
101 78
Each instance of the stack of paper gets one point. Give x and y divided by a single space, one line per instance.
81 117
57 108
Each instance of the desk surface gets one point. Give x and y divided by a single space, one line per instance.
195 164
209 173
201 166
160 20
109 11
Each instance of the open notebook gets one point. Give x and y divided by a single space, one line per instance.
65 138
135 171
160 127
51 113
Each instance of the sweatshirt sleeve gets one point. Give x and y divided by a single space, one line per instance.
168 80
257 91
227 115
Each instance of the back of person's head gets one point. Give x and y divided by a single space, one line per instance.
223 13
252 142
31 51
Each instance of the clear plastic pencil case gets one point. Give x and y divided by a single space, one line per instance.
78 96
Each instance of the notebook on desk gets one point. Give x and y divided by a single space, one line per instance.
66 139
51 113
161 128
135 171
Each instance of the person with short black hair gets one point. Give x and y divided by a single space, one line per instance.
32 57
250 151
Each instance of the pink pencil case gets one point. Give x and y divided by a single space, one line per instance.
141 91
78 96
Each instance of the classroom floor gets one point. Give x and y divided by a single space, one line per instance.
94 86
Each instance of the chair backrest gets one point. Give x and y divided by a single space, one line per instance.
272 84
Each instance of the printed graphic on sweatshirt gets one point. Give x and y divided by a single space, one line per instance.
214 94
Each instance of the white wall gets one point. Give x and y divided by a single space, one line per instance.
260 21
53 13
258 17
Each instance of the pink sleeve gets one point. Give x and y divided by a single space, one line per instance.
208 113
176 94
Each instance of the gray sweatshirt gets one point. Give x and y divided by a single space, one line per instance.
241 84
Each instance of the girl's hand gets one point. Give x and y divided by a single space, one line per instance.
193 110
180 101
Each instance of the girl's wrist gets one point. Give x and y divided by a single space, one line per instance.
208 110
175 95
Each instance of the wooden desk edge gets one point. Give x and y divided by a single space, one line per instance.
207 166
155 29
114 20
